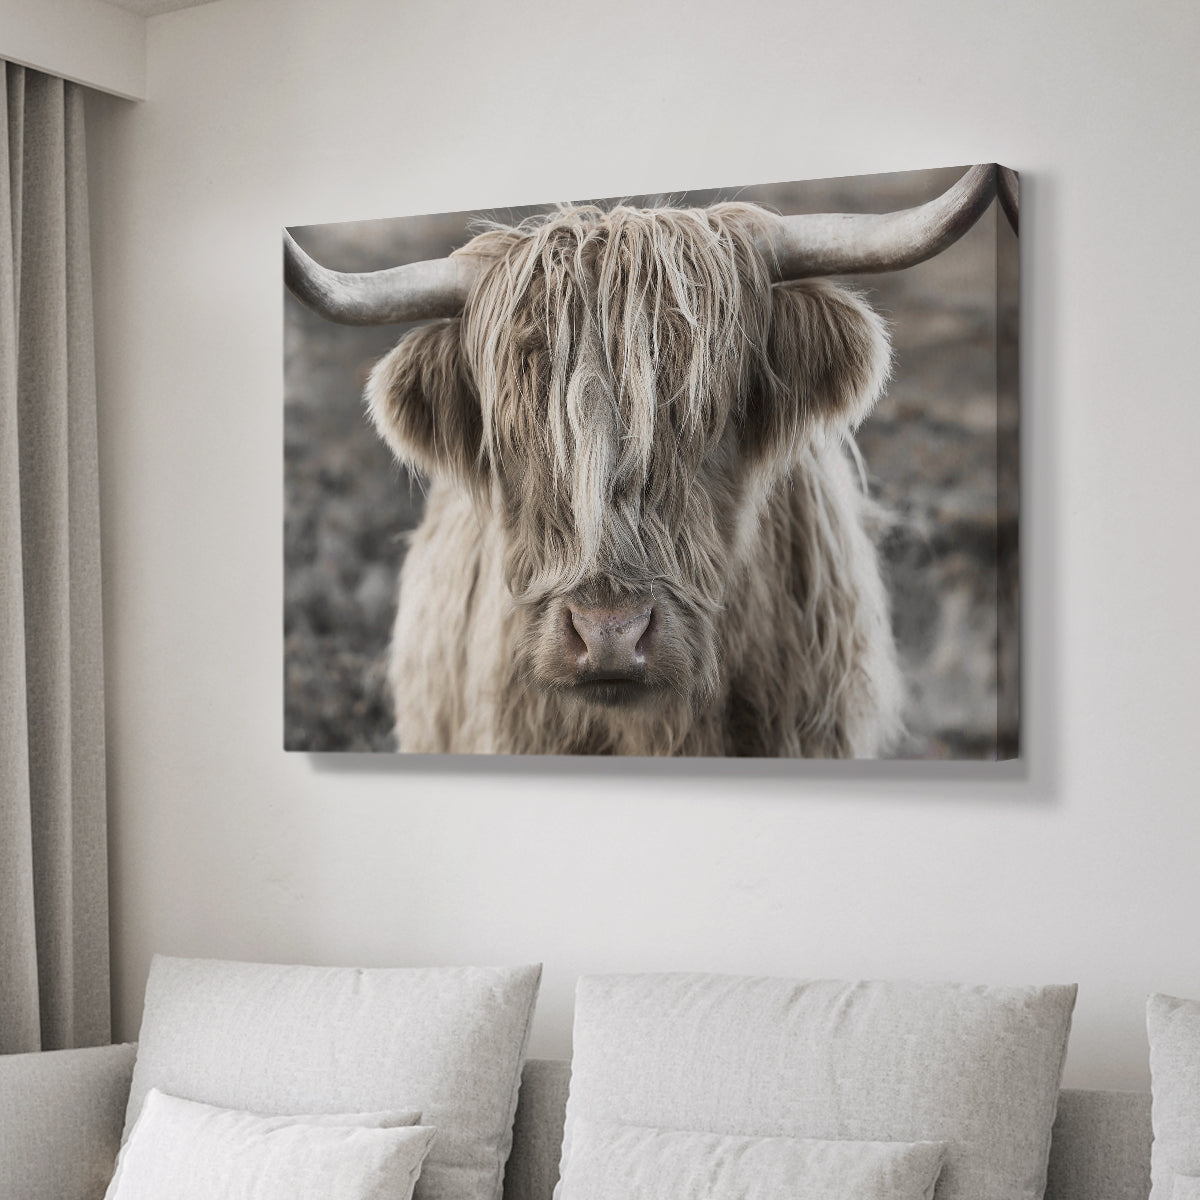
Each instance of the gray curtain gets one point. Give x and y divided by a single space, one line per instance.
54 982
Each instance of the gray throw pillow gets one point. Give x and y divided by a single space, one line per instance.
447 1042
975 1067
1173 1026
629 1162
184 1150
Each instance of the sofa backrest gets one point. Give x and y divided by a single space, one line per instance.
60 1126
532 1169
1100 1149
60 1121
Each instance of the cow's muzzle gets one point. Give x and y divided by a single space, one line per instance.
610 650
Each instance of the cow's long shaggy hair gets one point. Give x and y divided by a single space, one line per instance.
629 411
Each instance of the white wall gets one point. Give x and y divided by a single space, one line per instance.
86 41
1079 864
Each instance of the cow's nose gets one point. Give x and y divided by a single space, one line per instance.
610 639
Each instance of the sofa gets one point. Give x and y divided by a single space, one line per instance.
62 1113
65 1109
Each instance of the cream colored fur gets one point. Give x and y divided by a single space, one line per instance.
808 665
629 408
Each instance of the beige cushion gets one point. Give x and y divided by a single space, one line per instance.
629 1162
284 1039
975 1067
183 1150
1173 1026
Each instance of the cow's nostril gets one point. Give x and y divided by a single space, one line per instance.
610 639
643 643
575 643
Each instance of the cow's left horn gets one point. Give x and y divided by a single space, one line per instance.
435 288
849 243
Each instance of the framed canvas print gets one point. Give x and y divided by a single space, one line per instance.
727 472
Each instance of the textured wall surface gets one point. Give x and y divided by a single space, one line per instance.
1076 864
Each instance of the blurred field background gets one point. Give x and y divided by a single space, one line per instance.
940 452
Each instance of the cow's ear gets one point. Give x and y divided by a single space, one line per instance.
424 404
828 358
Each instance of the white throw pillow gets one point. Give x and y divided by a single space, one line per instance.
183 1150
1187 1187
629 1162
1173 1026
448 1041
975 1067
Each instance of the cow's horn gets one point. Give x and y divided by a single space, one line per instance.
413 292
850 243
798 247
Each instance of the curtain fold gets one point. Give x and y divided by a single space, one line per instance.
54 970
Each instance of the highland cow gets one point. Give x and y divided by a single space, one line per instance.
645 532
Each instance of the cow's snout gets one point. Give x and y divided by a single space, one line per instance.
610 641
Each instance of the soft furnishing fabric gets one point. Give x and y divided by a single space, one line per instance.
532 1168
448 1041
54 976
629 1162
1173 1027
60 1121
182 1150
1100 1149
975 1067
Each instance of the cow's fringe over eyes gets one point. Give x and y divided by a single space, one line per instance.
611 349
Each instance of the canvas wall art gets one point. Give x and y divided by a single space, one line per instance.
723 473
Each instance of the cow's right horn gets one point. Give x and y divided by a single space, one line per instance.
849 243
413 292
